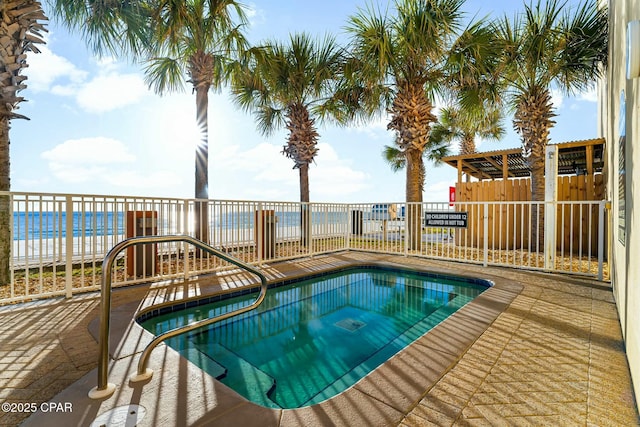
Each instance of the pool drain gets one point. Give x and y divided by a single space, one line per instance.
350 324
121 416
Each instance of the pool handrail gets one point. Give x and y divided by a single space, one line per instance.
105 389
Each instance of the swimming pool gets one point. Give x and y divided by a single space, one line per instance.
314 338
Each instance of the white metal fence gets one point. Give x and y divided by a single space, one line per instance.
59 241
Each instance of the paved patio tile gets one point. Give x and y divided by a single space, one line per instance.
547 353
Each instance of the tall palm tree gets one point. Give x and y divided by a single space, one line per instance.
197 41
291 86
20 32
405 55
548 45
200 40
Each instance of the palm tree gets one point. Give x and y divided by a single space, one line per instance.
291 86
194 40
20 32
549 45
434 151
120 28
454 123
404 55
201 41
461 125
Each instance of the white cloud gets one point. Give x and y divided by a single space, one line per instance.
590 96
135 179
262 172
46 67
375 128
557 98
252 11
438 191
334 178
88 159
107 163
112 91
255 15
264 159
106 91
97 150
258 171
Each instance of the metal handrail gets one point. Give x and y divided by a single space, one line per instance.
105 389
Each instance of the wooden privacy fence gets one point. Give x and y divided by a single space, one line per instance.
510 224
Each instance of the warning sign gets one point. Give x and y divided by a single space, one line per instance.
446 219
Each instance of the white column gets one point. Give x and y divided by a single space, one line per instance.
550 197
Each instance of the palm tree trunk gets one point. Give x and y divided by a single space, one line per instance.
411 119
20 31
5 203
302 148
533 121
202 165
537 194
414 185
305 215
467 144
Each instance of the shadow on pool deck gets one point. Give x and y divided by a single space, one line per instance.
536 348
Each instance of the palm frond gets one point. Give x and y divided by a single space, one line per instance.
164 75
304 72
394 157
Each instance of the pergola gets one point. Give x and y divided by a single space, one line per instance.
575 158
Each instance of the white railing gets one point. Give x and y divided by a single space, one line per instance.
59 241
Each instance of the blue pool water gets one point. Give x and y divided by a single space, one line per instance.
312 339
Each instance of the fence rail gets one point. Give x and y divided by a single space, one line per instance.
59 240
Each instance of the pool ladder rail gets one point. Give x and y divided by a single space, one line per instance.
105 389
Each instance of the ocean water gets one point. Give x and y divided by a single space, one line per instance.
49 225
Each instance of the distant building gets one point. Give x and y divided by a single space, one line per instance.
619 124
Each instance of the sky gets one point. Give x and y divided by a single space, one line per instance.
96 128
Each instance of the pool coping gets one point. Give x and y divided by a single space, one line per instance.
179 393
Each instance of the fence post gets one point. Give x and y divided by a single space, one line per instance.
601 208
257 231
347 236
485 243
185 230
307 228
68 249
406 229
550 197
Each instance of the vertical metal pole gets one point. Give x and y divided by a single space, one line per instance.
551 197
105 318
105 389
406 229
257 229
347 233
307 227
485 245
12 248
601 209
68 269
60 228
185 230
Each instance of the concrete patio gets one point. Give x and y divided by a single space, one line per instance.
536 349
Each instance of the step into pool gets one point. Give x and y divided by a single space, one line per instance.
314 338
